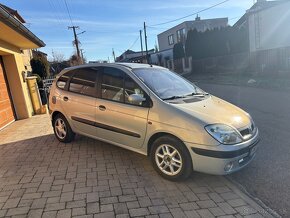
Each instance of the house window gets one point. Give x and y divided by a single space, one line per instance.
180 35
171 39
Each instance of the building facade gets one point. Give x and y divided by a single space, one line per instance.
267 23
15 44
178 33
134 56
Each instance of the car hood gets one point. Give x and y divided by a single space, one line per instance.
215 110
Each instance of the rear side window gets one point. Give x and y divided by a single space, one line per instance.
62 81
84 81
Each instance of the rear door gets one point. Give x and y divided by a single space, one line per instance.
79 100
118 120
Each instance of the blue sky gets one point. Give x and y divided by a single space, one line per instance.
112 23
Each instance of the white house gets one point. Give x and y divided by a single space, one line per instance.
268 25
178 33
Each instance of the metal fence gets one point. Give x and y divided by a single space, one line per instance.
264 61
47 82
44 92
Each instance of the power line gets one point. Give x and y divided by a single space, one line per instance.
133 43
68 12
233 18
198 12
53 7
62 8
157 28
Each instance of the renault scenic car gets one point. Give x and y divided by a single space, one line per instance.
155 112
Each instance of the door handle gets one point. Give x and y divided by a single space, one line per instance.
102 107
65 98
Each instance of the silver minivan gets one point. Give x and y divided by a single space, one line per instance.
155 112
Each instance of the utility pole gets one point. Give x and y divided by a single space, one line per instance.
82 53
114 54
145 36
76 39
141 44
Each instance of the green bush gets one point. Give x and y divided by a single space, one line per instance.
40 66
216 42
178 51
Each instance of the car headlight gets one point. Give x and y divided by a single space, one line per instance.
224 134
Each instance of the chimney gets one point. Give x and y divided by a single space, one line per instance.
197 18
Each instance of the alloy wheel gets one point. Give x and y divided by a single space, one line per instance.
168 159
60 128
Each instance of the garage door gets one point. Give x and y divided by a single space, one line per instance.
6 110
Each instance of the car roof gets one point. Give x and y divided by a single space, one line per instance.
117 64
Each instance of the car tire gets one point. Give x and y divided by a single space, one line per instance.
171 159
62 129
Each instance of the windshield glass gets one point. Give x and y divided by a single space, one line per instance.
166 84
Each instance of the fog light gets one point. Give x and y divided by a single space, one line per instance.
229 166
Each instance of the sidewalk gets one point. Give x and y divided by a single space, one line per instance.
277 82
40 176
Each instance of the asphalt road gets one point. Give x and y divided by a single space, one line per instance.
268 176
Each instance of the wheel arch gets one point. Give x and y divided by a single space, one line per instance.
157 135
54 114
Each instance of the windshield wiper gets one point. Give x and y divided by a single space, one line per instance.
173 97
202 94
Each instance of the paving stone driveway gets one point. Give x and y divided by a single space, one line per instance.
40 177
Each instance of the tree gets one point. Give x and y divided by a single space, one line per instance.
192 44
159 57
178 51
57 57
216 42
156 48
40 66
75 60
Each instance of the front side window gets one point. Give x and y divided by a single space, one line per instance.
118 86
62 81
131 87
83 82
112 84
166 84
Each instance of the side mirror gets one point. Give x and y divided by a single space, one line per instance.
136 99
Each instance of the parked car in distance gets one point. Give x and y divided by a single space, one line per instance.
155 112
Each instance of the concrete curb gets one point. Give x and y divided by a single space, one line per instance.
256 203
235 84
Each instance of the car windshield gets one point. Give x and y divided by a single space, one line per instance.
166 84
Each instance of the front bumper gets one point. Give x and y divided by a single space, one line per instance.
223 159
